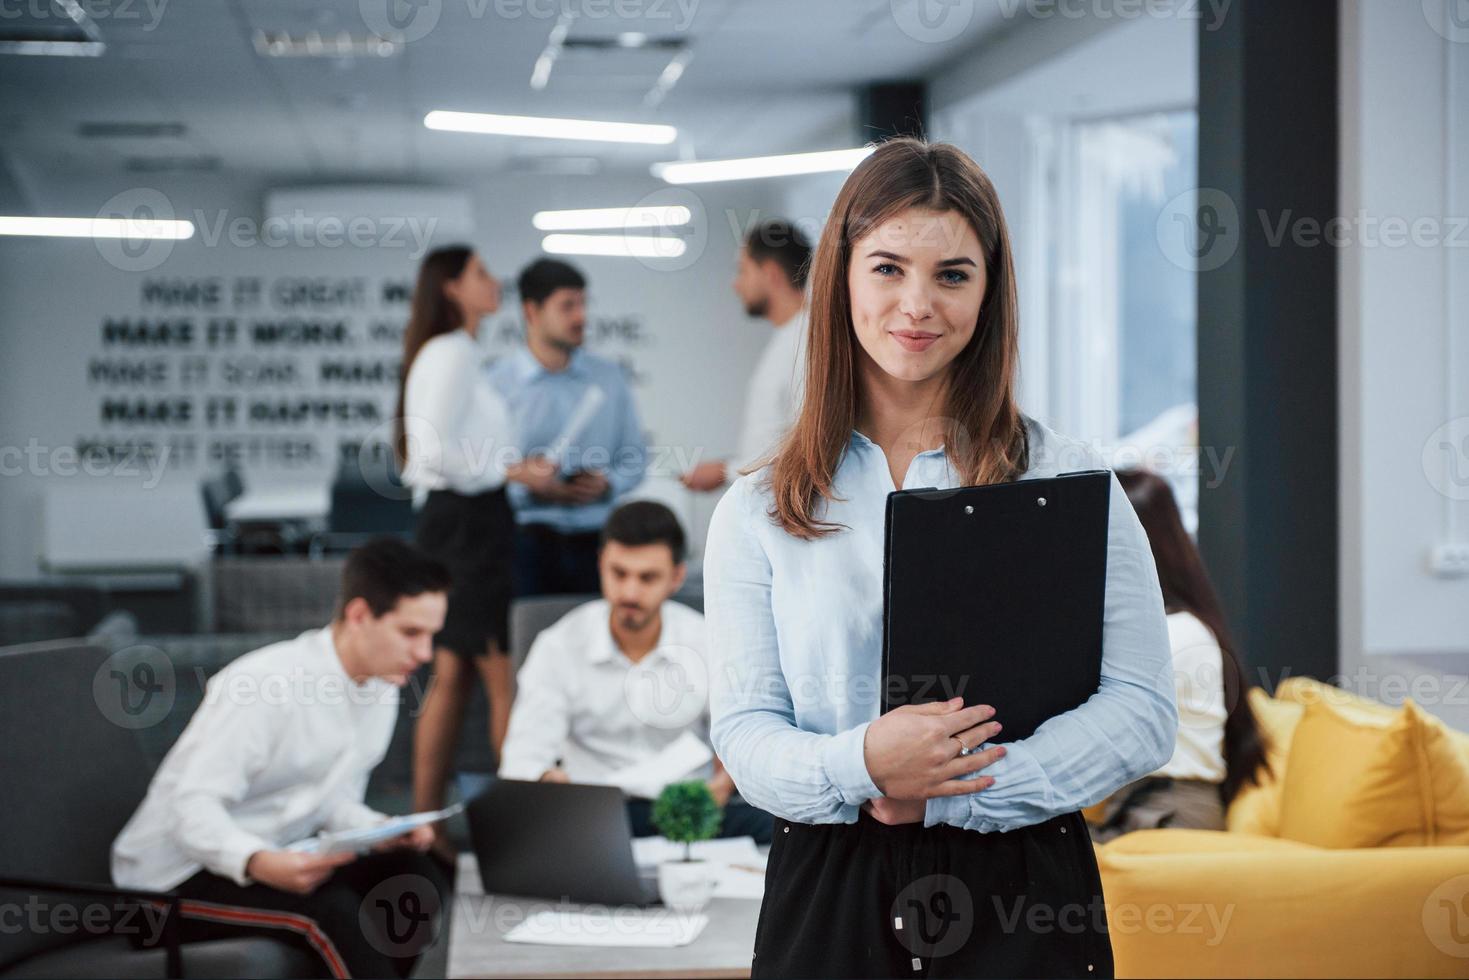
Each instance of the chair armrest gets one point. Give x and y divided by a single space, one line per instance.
1261 908
170 932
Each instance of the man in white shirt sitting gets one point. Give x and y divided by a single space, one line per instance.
281 750
770 281
617 691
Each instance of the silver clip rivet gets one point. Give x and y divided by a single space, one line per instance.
968 509
1041 501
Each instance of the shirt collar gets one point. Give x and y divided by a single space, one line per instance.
861 441
529 368
603 648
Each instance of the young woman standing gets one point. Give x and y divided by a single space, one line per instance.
914 844
456 445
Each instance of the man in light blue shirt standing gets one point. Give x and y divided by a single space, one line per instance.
576 410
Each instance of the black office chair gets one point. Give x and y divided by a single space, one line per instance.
217 493
364 506
73 772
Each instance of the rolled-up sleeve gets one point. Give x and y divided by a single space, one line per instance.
798 775
1123 732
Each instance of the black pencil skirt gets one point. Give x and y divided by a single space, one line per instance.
474 537
870 900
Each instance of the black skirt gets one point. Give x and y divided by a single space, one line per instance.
870 900
474 537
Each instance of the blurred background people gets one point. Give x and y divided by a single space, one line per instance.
575 411
1219 748
621 680
770 281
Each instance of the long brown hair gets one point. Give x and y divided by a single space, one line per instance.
984 434
431 313
1186 588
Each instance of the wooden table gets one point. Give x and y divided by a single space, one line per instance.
477 947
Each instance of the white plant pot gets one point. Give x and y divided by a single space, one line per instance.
685 886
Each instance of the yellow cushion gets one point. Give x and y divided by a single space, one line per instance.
1255 809
1304 690
1359 777
1176 840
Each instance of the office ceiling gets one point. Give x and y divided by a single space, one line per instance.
765 76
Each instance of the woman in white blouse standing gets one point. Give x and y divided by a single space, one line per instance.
455 443
1219 749
912 844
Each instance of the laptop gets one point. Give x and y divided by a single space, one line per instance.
557 841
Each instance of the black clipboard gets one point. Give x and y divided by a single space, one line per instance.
995 594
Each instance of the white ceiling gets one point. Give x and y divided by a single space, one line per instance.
766 76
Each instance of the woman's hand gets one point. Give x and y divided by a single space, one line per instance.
912 752
894 812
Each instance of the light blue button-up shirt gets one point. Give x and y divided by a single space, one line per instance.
795 652
542 402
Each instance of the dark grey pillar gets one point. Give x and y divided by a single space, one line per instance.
1267 372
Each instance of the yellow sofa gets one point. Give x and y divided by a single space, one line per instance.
1248 902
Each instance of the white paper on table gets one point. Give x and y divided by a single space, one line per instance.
649 852
737 864
609 927
648 778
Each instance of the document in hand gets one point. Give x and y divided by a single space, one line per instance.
364 839
995 594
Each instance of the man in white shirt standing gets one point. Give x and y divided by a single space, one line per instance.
617 691
281 750
770 281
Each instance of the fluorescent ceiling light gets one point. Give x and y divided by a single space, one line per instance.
85 40
75 49
134 228
620 246
665 216
749 168
564 129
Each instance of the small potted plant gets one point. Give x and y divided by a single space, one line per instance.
685 813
